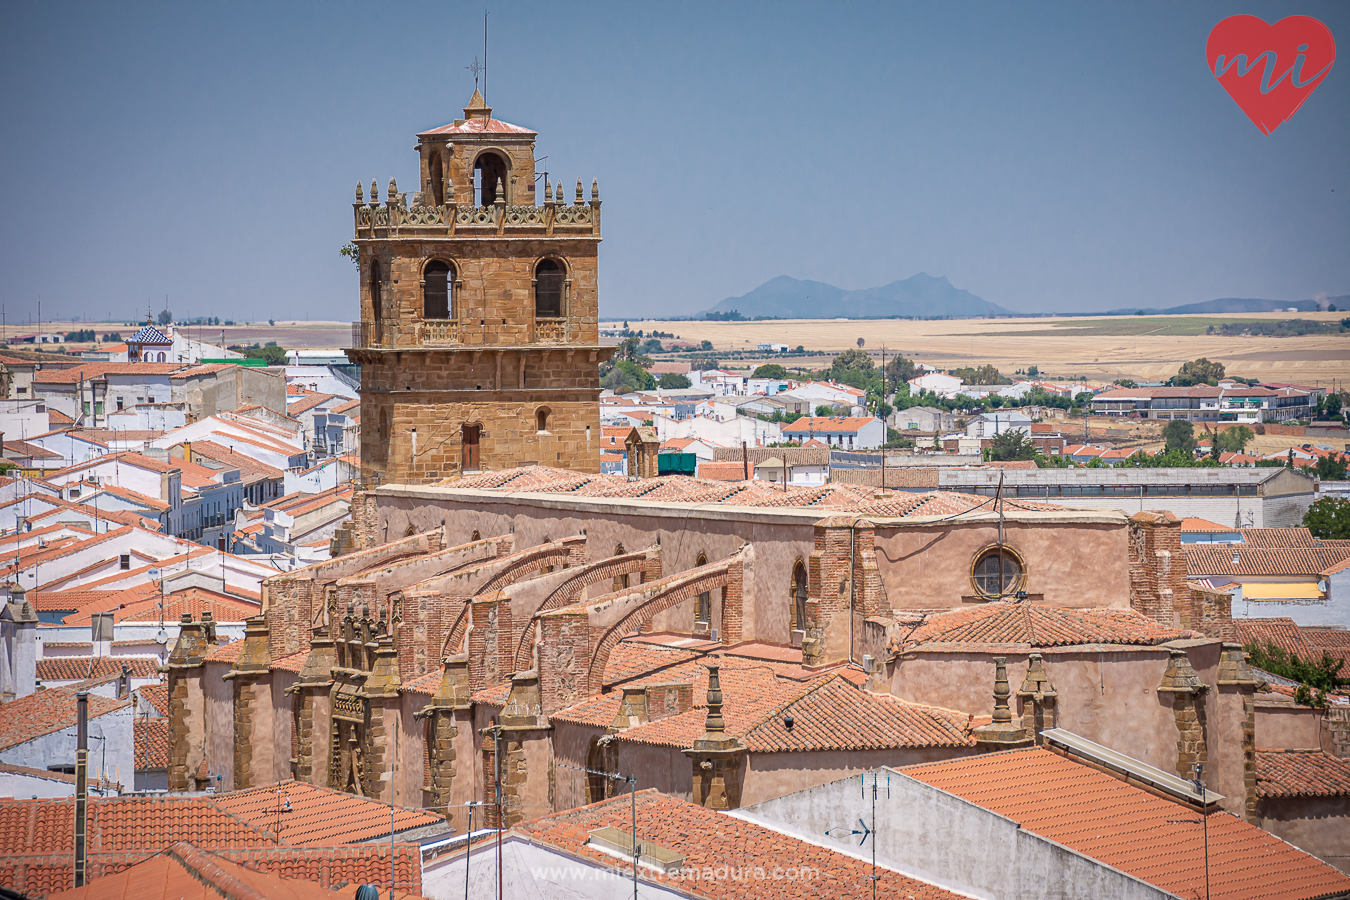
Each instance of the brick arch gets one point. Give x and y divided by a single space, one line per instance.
531 562
726 574
570 591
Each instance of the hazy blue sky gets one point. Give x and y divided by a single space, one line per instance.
1044 157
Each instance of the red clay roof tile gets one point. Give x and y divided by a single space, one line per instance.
1144 835
1301 773
44 712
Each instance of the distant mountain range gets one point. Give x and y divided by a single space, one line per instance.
926 296
920 296
1237 305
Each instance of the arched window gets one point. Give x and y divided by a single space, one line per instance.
376 300
800 589
435 174
620 581
488 169
437 286
541 419
703 609
548 289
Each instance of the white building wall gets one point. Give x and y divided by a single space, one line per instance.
942 839
113 755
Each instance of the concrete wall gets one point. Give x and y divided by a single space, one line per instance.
770 775
1316 825
930 834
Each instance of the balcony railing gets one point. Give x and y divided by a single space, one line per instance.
550 331
438 332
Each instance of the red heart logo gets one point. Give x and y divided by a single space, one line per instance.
1270 69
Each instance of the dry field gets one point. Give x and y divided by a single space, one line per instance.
1141 347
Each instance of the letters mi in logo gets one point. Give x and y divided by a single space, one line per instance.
1270 69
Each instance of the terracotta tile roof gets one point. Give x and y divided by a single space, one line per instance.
1278 538
836 715
1000 622
479 125
319 815
51 601
709 840
1301 773
226 652
631 659
1141 834
38 836
37 773
830 712
44 712
721 471
427 685
157 695
292 663
835 497
152 744
1207 559
1307 643
250 469
194 600
347 407
183 872
1203 525
307 402
78 668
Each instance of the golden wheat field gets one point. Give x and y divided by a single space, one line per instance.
1140 347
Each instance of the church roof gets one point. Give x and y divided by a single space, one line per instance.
148 334
478 120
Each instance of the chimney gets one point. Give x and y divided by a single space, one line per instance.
81 787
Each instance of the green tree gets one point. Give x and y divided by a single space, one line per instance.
351 252
1011 445
1333 404
705 346
824 410
272 354
770 370
627 376
1179 435
985 374
629 350
164 317
900 370
1330 467
1033 371
1198 371
1329 519
851 361
1321 675
1125 382
1235 439
672 380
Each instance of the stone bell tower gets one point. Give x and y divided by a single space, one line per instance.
478 342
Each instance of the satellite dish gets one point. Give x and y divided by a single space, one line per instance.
162 637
